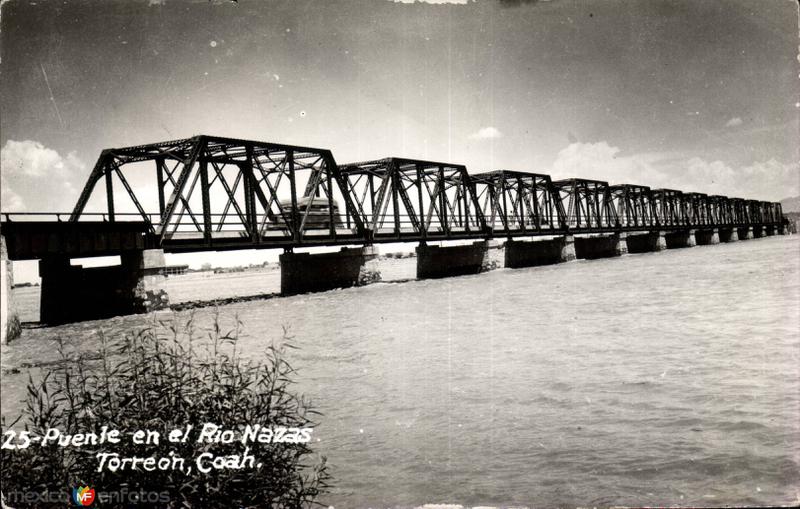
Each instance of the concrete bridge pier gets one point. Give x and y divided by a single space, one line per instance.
646 242
72 293
745 233
728 234
605 246
306 272
705 237
681 238
445 261
770 230
521 254
759 231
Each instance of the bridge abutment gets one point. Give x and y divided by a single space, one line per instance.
9 322
728 234
521 254
605 246
707 237
681 238
646 242
71 293
319 272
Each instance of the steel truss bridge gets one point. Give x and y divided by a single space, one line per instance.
215 193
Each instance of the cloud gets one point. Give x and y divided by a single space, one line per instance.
735 121
37 178
9 199
486 133
763 180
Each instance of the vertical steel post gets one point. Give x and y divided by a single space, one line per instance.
293 185
204 189
109 192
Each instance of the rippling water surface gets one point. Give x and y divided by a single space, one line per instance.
659 379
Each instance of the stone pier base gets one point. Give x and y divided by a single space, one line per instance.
445 261
759 231
707 237
540 252
306 272
646 242
495 255
72 293
728 234
682 238
769 231
601 247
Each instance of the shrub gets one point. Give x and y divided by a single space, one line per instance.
163 377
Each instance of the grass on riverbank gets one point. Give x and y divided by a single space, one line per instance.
159 378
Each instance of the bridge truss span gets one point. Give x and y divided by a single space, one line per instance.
519 203
414 199
225 193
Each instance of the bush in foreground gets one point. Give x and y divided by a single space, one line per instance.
161 378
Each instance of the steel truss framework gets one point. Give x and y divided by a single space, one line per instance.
408 198
256 189
633 205
587 204
518 203
222 193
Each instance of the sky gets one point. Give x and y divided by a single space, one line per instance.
692 95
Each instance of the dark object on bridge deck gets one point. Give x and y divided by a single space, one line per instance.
28 240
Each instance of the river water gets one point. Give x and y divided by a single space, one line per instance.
658 379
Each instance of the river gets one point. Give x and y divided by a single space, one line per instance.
657 379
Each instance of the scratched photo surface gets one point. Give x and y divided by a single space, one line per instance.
571 274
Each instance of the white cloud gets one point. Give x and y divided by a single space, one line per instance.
767 180
486 133
9 200
38 178
735 121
